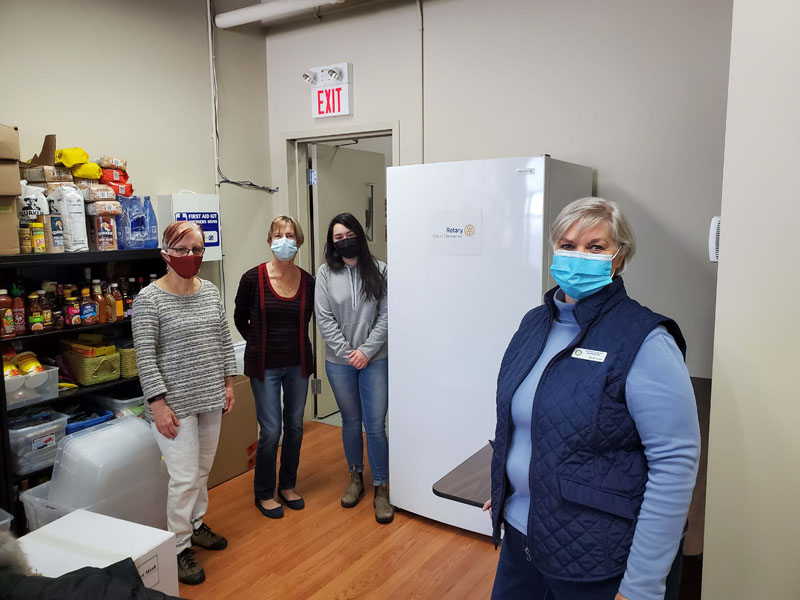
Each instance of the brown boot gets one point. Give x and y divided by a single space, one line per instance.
384 513
354 491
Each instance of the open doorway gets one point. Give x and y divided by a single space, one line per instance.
343 174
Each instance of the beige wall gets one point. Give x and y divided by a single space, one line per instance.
636 90
132 80
244 148
752 526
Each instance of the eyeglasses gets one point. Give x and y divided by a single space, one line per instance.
185 251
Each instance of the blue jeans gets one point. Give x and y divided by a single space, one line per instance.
518 579
267 393
363 396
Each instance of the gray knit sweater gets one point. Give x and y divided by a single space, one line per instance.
345 319
183 348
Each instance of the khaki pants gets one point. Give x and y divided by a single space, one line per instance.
189 458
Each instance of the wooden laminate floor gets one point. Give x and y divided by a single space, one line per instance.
326 552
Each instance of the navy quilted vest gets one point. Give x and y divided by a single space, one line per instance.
588 469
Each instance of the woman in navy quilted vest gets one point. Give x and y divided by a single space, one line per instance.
597 441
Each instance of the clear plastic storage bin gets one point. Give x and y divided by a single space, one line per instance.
114 469
5 520
34 448
32 388
39 510
122 406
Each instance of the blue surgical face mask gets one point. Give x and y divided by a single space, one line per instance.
283 248
581 274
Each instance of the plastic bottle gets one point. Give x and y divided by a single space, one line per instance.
47 310
137 223
111 305
97 296
35 319
89 309
152 224
153 277
6 315
20 318
119 301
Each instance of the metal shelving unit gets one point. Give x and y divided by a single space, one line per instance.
55 266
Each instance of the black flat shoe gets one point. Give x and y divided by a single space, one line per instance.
270 513
293 504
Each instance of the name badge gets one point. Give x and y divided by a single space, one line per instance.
592 355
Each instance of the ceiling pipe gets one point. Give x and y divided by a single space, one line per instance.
275 9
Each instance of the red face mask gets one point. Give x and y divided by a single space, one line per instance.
185 266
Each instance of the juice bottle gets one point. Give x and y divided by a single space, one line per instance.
20 318
89 309
133 291
97 296
35 319
73 308
47 310
6 315
119 301
111 305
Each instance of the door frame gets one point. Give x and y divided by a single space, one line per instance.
296 146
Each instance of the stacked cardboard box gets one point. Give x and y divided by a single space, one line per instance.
9 189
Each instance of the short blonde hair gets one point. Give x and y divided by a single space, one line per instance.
591 211
282 221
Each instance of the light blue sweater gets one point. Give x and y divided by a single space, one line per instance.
661 402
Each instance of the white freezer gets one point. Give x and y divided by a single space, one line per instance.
467 258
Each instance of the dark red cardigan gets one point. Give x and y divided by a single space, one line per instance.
251 320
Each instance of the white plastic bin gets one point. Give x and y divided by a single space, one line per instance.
39 510
32 388
34 448
5 520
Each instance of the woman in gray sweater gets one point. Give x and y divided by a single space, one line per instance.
186 366
351 310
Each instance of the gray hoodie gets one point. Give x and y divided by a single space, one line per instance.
346 320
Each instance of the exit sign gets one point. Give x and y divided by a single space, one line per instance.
331 101
331 90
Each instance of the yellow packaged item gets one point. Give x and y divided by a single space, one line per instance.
28 363
69 157
87 170
10 369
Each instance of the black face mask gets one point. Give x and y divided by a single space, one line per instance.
348 247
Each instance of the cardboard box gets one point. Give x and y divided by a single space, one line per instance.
103 233
85 539
236 452
9 178
9 225
47 173
9 142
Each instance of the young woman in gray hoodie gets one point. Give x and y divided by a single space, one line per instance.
351 310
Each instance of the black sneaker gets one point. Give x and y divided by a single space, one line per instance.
189 572
205 538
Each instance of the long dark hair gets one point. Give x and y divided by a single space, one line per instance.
373 283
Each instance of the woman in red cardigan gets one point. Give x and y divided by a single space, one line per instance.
274 305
